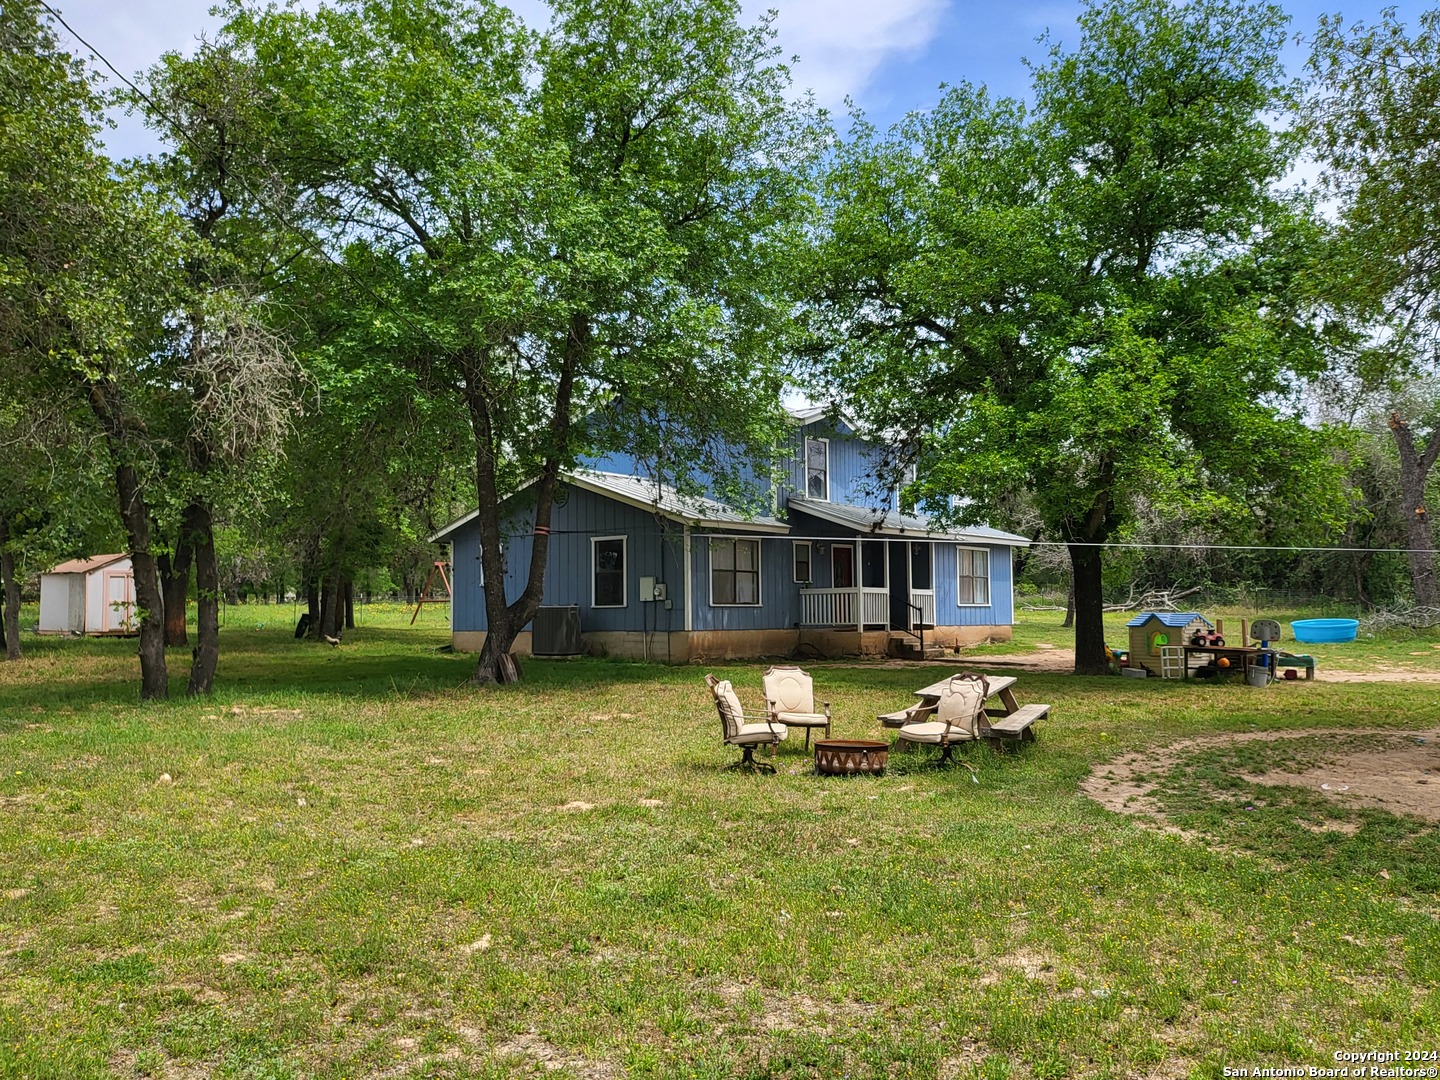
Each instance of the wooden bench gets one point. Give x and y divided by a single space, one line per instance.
1284 660
1015 727
901 716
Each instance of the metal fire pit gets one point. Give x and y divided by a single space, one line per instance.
850 757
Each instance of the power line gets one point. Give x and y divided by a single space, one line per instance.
1293 548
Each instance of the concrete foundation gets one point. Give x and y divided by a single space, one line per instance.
708 645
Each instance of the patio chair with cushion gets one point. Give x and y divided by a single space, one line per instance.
739 730
790 700
957 716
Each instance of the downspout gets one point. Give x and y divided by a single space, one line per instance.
689 578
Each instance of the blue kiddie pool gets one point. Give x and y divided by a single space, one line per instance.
1314 631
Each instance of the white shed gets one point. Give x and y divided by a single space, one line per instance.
89 596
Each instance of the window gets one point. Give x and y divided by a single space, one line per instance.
802 562
973 585
607 559
920 577
817 469
873 569
734 572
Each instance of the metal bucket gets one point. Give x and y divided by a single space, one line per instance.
1257 675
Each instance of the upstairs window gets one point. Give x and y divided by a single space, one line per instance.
973 585
607 560
734 572
817 469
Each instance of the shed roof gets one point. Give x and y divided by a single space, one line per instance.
654 496
889 523
1178 619
88 563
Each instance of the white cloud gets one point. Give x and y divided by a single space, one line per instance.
841 43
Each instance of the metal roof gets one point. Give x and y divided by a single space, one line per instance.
809 414
1174 619
655 497
889 523
87 564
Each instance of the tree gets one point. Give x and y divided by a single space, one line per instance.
1091 302
89 263
1373 121
235 382
582 233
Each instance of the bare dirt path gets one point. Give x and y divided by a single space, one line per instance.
1401 773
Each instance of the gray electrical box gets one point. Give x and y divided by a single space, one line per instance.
647 589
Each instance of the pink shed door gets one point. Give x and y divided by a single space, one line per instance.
119 611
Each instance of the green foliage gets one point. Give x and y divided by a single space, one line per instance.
1097 305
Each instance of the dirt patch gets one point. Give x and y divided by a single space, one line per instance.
1401 774
537 1052
1403 779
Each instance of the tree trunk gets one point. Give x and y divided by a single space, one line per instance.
10 622
1069 605
149 597
135 515
199 526
175 581
1086 563
312 604
331 619
503 621
349 604
1415 466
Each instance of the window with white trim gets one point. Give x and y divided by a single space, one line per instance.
802 562
972 586
607 564
922 578
817 469
734 573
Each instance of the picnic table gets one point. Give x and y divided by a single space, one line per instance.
1010 720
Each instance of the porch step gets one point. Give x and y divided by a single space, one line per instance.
907 648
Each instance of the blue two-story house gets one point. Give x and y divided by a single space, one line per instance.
655 574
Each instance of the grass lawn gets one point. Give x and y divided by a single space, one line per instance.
349 863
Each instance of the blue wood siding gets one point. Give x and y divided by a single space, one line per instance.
755 495
852 466
650 551
779 606
948 611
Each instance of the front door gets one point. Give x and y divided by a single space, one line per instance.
899 589
842 576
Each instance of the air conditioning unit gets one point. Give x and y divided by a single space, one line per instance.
556 632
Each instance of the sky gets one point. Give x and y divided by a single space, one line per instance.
888 56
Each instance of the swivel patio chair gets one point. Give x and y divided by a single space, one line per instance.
957 716
790 700
739 730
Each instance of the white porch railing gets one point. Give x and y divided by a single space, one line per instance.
925 601
838 607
